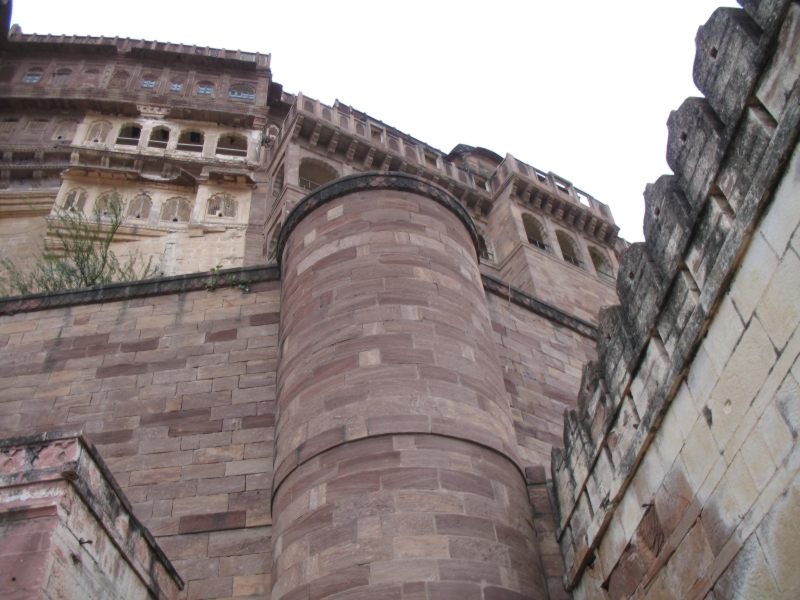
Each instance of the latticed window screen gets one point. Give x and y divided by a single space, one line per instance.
98 132
103 204
222 205
139 207
177 210
65 130
75 200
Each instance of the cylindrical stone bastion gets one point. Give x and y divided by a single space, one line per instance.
396 475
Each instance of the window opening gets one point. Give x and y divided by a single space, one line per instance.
32 76
540 176
569 249
480 182
242 92
98 132
176 210
159 138
232 145
75 200
205 89
534 231
175 87
120 80
148 83
277 182
222 205
129 135
313 175
191 141
139 207
65 130
602 265
485 248
60 77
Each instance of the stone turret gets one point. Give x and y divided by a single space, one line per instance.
396 470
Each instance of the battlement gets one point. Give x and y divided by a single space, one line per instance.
727 151
142 48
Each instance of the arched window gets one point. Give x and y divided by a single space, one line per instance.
107 204
140 206
360 129
7 74
191 141
119 81
485 246
159 138
326 114
231 144
98 132
308 106
411 152
240 91
601 264
75 200
175 86
65 131
129 135
277 182
314 173
273 131
205 88
534 231
89 78
148 82
343 122
32 76
272 243
176 210
569 249
222 205
61 77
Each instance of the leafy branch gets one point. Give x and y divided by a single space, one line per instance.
79 253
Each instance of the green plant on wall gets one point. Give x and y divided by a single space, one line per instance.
78 253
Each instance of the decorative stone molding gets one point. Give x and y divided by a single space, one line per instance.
375 181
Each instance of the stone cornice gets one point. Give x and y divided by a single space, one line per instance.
374 181
138 289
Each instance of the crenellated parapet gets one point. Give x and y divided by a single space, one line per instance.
727 151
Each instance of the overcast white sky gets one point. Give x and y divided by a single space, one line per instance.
581 87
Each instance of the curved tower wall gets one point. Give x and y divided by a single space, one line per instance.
396 469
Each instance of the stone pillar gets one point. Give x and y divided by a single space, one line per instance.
396 474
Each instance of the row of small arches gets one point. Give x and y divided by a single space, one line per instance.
537 236
174 210
121 80
189 140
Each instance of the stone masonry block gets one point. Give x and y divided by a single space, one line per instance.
767 13
728 61
695 147
640 291
668 223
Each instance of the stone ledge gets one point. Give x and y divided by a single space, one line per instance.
159 286
520 298
41 475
